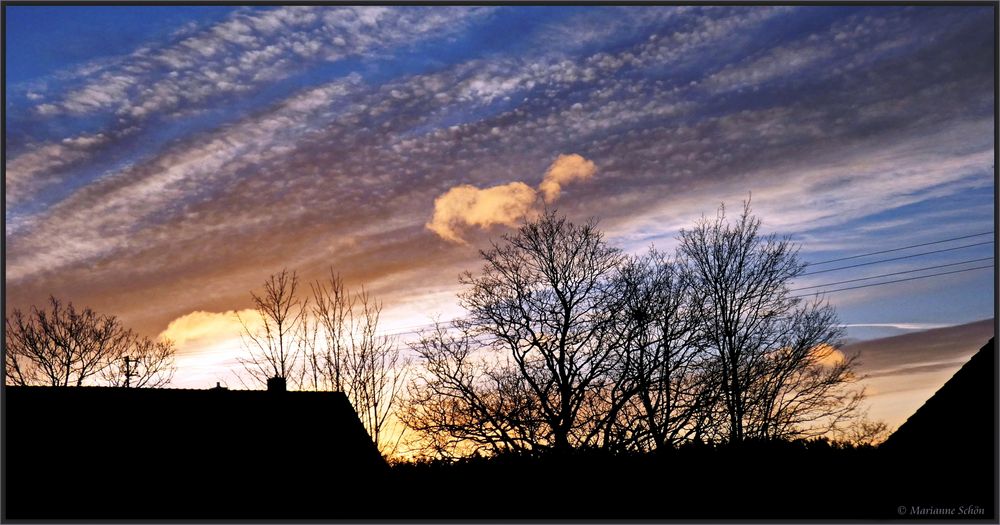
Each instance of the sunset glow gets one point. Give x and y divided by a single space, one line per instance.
162 171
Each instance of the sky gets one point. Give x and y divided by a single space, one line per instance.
162 161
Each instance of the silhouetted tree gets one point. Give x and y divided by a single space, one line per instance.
333 308
543 301
356 358
866 432
275 349
147 363
659 385
464 401
377 373
778 370
332 344
63 346
545 297
568 343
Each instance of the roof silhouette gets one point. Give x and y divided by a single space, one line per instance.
112 453
959 417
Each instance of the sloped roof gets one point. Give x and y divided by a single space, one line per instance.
93 452
960 415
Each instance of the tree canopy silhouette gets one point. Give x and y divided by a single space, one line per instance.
355 357
63 346
274 350
776 364
328 341
568 343
545 300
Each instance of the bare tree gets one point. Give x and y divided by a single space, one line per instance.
146 364
333 307
544 298
804 387
867 433
773 355
567 343
659 387
63 346
356 357
274 350
464 401
376 373
333 344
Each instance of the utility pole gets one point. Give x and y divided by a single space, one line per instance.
129 372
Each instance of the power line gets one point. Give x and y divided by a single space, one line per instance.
899 249
894 281
891 274
897 258
418 328
415 329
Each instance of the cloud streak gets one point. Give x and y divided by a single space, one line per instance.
316 136
250 48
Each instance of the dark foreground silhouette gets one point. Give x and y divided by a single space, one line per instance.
106 453
176 454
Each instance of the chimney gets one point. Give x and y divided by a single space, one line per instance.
276 384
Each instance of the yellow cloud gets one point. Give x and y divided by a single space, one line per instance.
201 328
565 169
467 205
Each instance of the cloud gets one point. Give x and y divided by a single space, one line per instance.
827 355
901 372
201 329
565 169
208 346
35 169
344 171
467 205
953 343
249 49
100 218
899 326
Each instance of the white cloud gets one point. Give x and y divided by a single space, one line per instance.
899 326
100 218
251 47
36 168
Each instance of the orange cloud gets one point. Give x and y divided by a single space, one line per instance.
565 169
467 205
827 355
